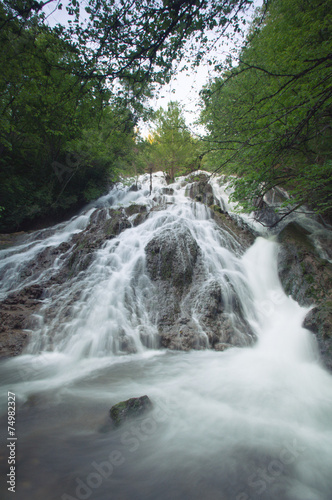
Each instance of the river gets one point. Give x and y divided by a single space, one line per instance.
246 423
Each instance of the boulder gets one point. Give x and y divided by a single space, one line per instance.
171 256
190 311
130 409
200 189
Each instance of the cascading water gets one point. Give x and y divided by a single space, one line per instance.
247 423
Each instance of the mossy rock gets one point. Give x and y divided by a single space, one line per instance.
135 209
130 409
296 234
308 279
216 208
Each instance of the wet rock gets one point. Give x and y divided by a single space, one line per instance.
167 190
244 236
319 321
104 224
16 317
222 346
220 315
135 187
308 279
9 239
183 337
266 214
183 291
171 256
130 409
200 190
135 209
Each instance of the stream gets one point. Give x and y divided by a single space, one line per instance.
251 422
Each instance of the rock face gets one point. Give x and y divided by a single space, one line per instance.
190 308
199 189
243 235
130 409
15 317
191 311
308 279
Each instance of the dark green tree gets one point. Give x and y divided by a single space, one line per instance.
269 116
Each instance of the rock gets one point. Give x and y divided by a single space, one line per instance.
200 189
16 317
220 315
243 235
171 256
167 190
135 187
319 321
104 224
135 209
9 239
130 409
183 291
183 337
266 214
222 346
217 209
308 279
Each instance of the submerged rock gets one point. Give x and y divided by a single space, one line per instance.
132 408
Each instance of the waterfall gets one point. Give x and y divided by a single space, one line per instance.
249 422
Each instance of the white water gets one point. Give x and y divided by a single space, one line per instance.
247 423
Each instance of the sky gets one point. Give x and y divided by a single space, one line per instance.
186 85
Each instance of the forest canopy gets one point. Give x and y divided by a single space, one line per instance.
72 94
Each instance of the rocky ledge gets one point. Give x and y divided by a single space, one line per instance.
308 279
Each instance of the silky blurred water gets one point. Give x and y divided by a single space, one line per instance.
243 424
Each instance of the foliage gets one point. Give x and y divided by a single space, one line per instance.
139 40
71 95
61 140
171 147
269 117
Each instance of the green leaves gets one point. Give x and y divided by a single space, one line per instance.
172 148
268 116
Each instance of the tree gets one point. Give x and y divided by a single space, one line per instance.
173 149
269 117
57 82
61 140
